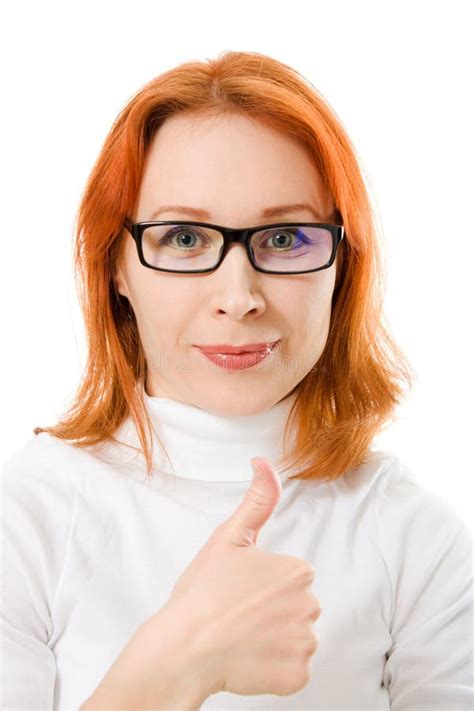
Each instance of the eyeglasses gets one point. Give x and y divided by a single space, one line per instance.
199 247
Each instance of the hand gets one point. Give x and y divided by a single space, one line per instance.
253 611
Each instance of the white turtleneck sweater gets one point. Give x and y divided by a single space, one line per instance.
90 550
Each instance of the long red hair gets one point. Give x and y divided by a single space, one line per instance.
352 391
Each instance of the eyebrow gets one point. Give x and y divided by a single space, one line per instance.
275 211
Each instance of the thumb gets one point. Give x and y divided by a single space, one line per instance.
260 501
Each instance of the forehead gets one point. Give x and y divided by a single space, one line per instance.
202 160
227 140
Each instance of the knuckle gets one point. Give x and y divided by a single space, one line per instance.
305 571
216 534
300 671
312 646
314 608
298 680
303 679
256 498
314 613
308 646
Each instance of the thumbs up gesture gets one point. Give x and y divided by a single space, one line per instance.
254 610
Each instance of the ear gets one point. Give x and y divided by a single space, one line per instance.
121 282
119 276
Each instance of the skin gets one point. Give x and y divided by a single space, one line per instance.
233 167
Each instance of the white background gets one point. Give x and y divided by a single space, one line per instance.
399 76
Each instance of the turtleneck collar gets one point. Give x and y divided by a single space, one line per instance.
209 447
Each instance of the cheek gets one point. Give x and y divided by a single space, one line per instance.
310 308
322 289
164 310
319 303
311 302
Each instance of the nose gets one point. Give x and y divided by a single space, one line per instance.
236 289
240 255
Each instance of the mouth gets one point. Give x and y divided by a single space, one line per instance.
241 360
226 349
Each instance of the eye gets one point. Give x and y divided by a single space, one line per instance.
188 232
288 237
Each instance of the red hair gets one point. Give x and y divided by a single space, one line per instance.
354 388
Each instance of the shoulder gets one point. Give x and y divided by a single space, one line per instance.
414 527
42 448
37 474
395 492
407 518
398 494
36 456
45 452
37 524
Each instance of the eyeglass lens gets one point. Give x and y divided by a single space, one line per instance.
191 247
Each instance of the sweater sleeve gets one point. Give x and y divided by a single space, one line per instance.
427 550
36 515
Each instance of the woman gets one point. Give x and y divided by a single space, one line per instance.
145 566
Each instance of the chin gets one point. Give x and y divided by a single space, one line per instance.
240 405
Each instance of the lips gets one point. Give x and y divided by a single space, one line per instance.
235 350
240 361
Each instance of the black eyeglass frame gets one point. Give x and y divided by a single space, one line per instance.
230 235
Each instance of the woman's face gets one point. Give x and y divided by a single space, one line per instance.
233 168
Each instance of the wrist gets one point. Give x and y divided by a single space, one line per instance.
163 666
186 660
